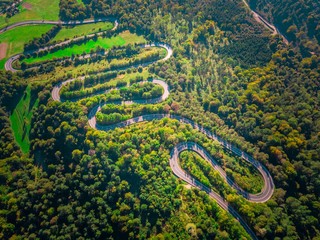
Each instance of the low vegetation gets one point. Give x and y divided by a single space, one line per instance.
21 119
33 10
15 40
81 30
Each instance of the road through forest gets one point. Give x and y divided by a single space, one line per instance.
261 197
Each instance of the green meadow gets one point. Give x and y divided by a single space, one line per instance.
16 42
21 119
82 30
34 10
106 43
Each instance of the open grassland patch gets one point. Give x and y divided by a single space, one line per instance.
132 75
105 43
80 2
17 37
82 30
132 38
21 119
2 63
87 47
34 10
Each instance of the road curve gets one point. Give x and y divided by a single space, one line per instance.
8 65
261 197
180 173
64 23
57 88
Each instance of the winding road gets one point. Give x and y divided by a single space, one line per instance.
261 197
8 65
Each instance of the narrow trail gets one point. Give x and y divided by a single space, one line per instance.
261 197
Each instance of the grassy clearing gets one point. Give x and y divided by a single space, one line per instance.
126 77
17 37
16 42
132 38
82 30
34 10
106 43
21 119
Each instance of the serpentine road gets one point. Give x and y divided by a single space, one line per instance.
261 197
8 65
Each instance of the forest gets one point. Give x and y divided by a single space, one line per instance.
298 20
227 73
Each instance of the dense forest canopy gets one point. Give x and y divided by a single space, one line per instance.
227 73
298 20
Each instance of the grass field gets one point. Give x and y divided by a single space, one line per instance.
34 10
16 42
106 43
126 77
21 119
17 37
2 63
81 30
62 71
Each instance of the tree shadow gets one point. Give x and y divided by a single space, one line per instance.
33 99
